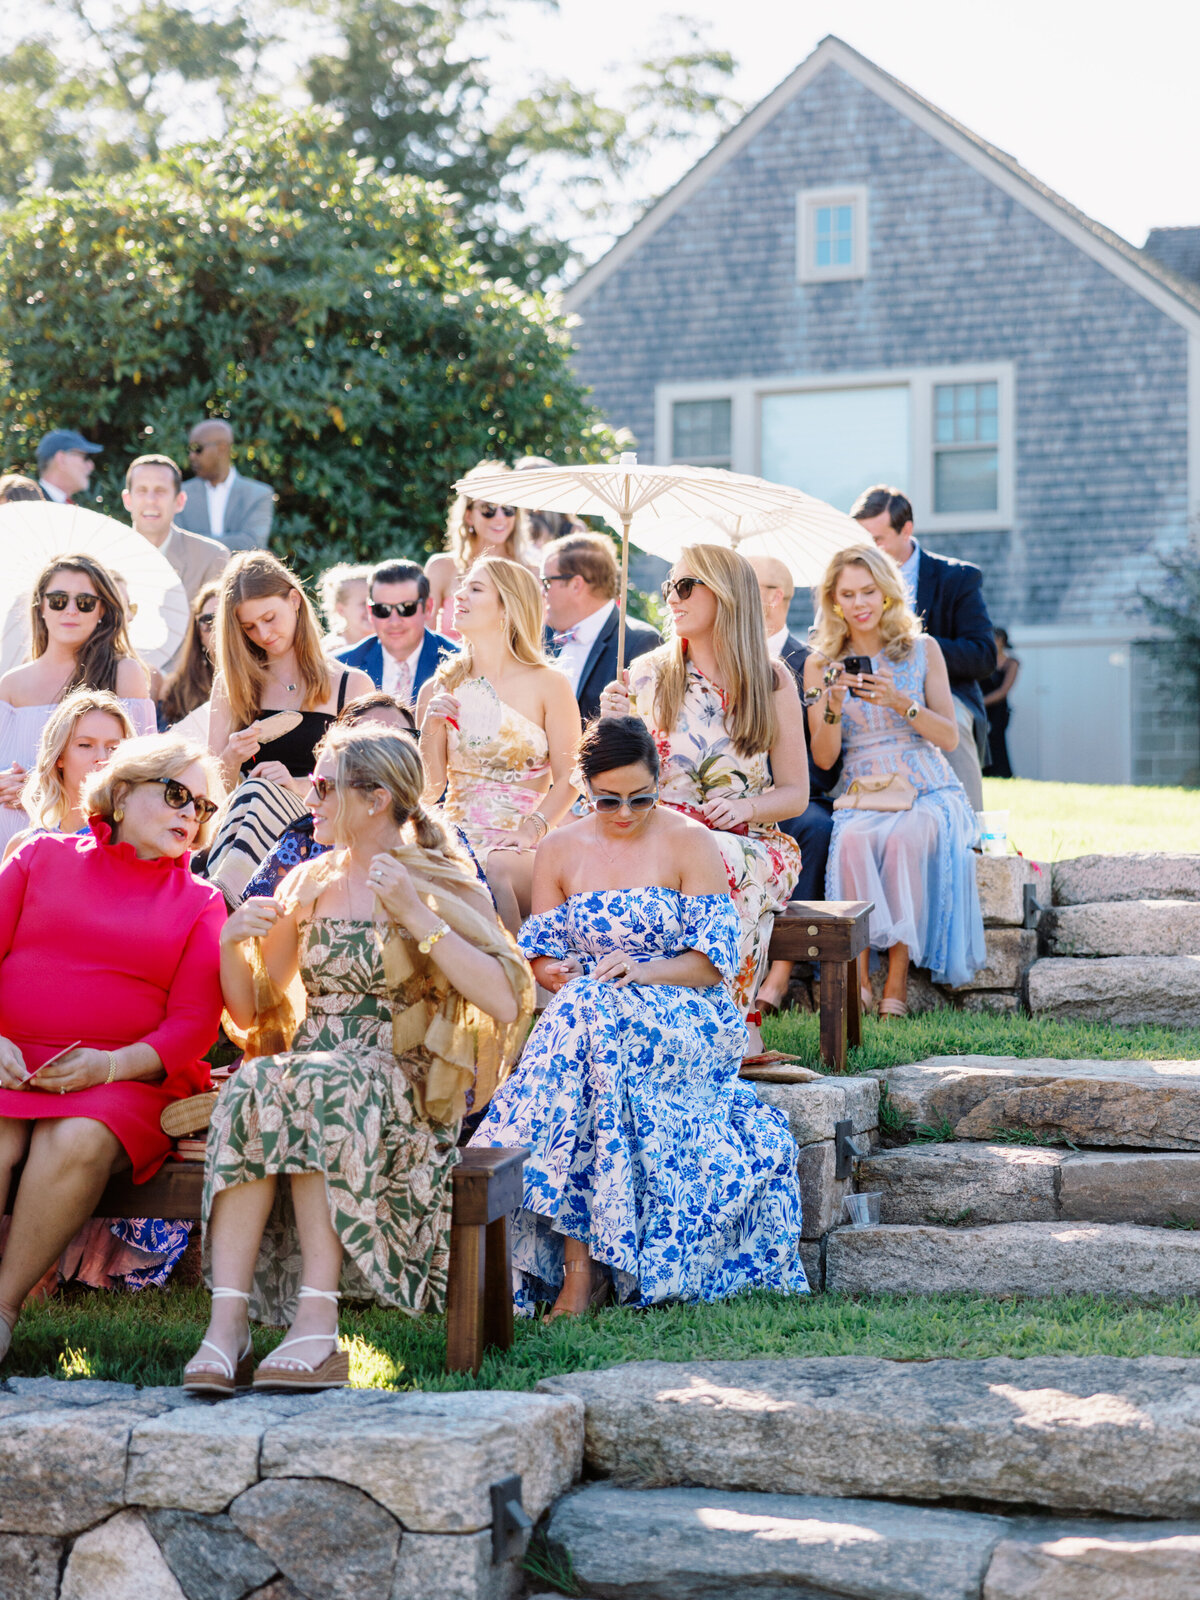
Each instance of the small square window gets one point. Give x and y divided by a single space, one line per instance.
831 227
701 432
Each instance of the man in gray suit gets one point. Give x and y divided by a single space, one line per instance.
221 504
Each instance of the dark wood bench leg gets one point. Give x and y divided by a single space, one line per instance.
465 1299
833 1014
853 1007
497 1289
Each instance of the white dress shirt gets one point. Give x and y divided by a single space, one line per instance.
910 571
572 658
56 494
393 671
217 495
776 642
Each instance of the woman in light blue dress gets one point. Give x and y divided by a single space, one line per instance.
894 722
652 1170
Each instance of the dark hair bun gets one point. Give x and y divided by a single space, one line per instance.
616 742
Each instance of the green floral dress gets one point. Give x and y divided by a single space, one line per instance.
342 1104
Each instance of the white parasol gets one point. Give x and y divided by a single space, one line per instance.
33 532
704 500
805 535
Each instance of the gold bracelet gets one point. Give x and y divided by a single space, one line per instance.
426 944
112 1067
830 718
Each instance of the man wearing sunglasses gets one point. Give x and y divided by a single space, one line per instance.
405 651
221 503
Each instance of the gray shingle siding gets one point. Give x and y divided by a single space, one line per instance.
959 271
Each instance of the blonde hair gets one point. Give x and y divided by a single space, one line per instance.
332 585
373 756
145 760
744 664
461 540
44 796
521 608
258 575
900 627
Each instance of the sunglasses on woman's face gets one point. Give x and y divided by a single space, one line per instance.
402 608
487 511
59 600
681 587
178 796
324 787
206 619
614 802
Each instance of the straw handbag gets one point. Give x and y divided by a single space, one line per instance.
890 791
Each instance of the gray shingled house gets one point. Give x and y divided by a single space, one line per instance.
852 288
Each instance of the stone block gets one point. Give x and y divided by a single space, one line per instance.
993 1002
691 1544
1025 1258
1149 1561
820 1192
29 1566
431 1459
814 1271
453 1566
1001 883
1128 928
950 1185
813 1109
1151 876
118 1561
198 1457
1068 1433
1010 954
1149 1186
332 1541
63 1470
209 1556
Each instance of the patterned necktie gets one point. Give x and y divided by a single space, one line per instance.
560 640
404 683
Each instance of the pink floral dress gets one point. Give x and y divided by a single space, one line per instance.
495 769
698 761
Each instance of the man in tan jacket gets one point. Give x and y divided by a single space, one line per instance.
153 495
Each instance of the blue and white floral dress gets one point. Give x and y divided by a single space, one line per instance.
643 1142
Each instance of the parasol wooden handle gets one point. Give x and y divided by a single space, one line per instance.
622 599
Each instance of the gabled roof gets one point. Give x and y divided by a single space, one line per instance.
1167 290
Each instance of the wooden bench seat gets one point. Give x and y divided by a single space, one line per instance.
834 933
485 1187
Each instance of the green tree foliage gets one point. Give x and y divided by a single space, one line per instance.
326 309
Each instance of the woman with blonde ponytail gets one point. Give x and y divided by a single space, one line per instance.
416 1005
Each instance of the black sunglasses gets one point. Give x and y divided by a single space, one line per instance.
324 787
402 608
559 577
197 449
59 600
489 510
178 796
614 802
207 618
682 587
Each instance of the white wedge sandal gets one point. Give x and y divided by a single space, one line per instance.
332 1373
229 1378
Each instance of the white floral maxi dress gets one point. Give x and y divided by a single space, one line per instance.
699 763
643 1141
340 1103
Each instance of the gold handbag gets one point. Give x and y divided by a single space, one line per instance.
891 791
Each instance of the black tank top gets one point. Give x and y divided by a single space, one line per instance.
295 749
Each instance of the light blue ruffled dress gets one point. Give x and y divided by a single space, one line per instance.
917 866
643 1142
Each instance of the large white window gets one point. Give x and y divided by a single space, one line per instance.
944 435
831 234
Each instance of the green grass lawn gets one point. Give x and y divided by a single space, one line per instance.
1052 821
146 1338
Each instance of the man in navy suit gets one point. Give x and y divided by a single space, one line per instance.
948 597
579 581
404 652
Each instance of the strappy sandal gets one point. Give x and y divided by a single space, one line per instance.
892 1008
600 1291
866 999
229 1378
332 1373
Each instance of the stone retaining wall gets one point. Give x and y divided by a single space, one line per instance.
108 1492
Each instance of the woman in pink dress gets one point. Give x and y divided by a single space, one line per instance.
109 996
475 528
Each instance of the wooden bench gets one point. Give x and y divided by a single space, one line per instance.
835 933
485 1186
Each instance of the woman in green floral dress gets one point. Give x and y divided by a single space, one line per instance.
415 996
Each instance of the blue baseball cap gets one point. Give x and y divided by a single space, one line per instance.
65 439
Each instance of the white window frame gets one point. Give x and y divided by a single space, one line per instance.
808 202
746 396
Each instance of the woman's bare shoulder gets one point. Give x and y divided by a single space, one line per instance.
439 564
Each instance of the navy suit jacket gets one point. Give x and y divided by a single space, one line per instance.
367 655
600 667
950 605
820 779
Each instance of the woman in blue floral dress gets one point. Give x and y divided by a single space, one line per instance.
651 1167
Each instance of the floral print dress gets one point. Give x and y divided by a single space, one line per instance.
698 762
643 1141
495 769
340 1103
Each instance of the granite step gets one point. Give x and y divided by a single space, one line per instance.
693 1544
1134 1105
1036 1259
1129 991
1153 875
952 1185
1078 1434
1125 928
